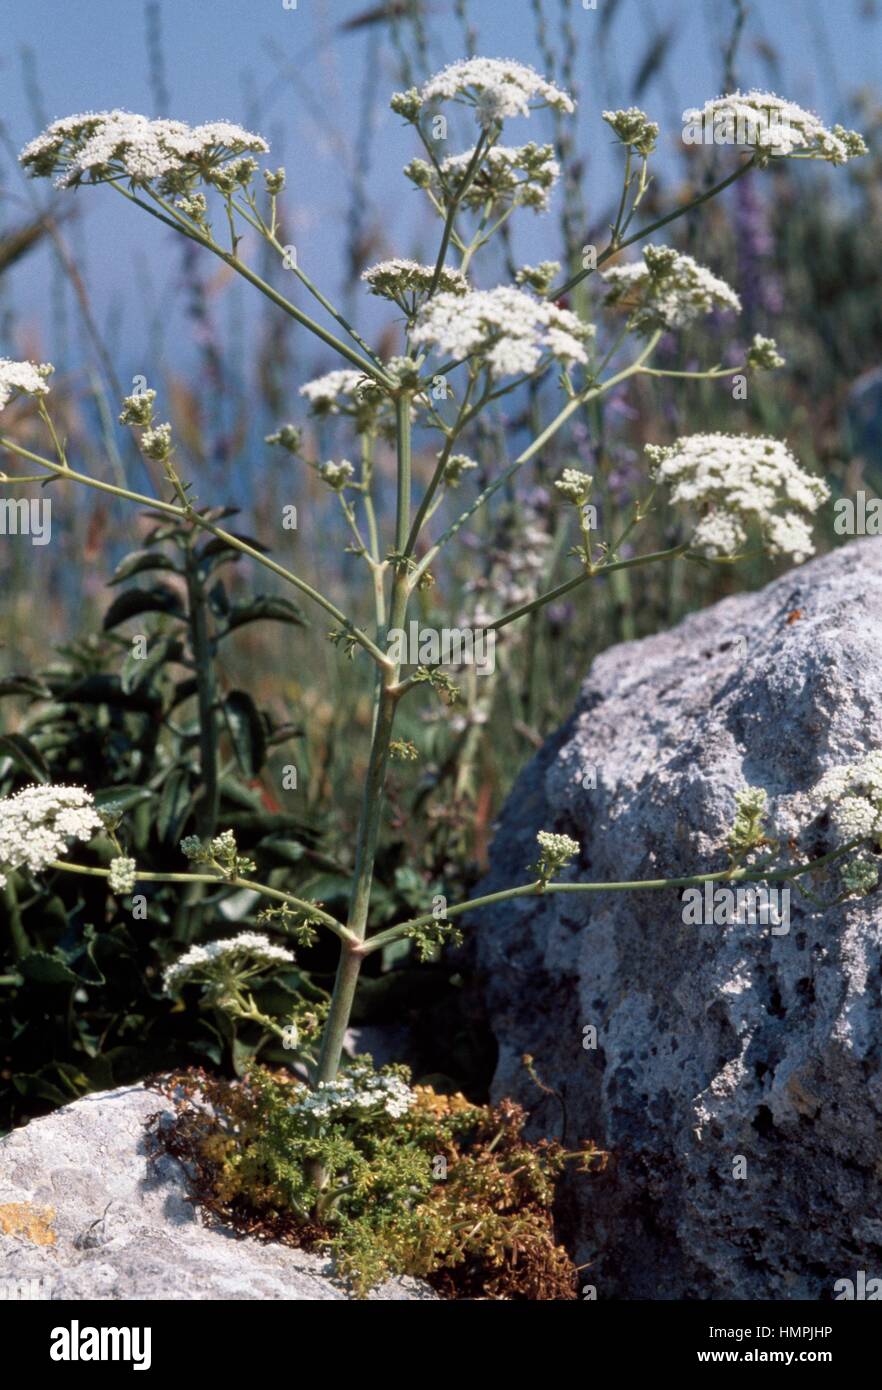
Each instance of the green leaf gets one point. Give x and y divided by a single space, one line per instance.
138 671
43 969
25 685
246 731
159 598
123 797
265 606
173 806
25 755
139 561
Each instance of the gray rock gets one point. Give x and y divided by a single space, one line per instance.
712 1042
83 1216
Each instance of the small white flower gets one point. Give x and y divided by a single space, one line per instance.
23 379
739 481
574 485
521 176
510 329
667 289
103 145
235 958
360 1088
336 475
634 128
122 876
455 467
343 392
776 127
405 281
495 87
36 824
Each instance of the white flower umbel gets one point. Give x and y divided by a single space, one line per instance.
406 282
122 876
667 289
238 958
774 127
508 328
38 823
23 379
556 853
739 482
105 145
853 797
342 392
495 87
359 1089
521 176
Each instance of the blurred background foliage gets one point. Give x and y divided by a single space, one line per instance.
81 1005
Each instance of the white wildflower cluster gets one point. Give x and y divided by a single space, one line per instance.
222 963
508 176
496 88
538 278
508 328
634 129
37 824
776 127
336 475
455 467
574 485
23 379
739 481
343 392
556 851
406 282
220 853
853 797
763 354
156 442
356 1090
106 145
122 876
667 289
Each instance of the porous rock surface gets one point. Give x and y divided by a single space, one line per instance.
84 1216
720 1049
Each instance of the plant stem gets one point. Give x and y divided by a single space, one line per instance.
302 904
183 514
349 965
206 696
754 873
615 246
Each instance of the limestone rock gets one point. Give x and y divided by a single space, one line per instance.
719 1048
83 1216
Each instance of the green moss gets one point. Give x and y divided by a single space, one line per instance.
391 1180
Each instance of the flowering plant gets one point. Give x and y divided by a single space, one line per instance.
463 348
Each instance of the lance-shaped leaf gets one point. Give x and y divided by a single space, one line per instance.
159 598
246 731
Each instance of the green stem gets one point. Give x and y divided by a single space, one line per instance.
367 838
302 904
206 697
753 873
591 573
615 246
184 514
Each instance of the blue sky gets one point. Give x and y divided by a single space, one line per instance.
315 81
